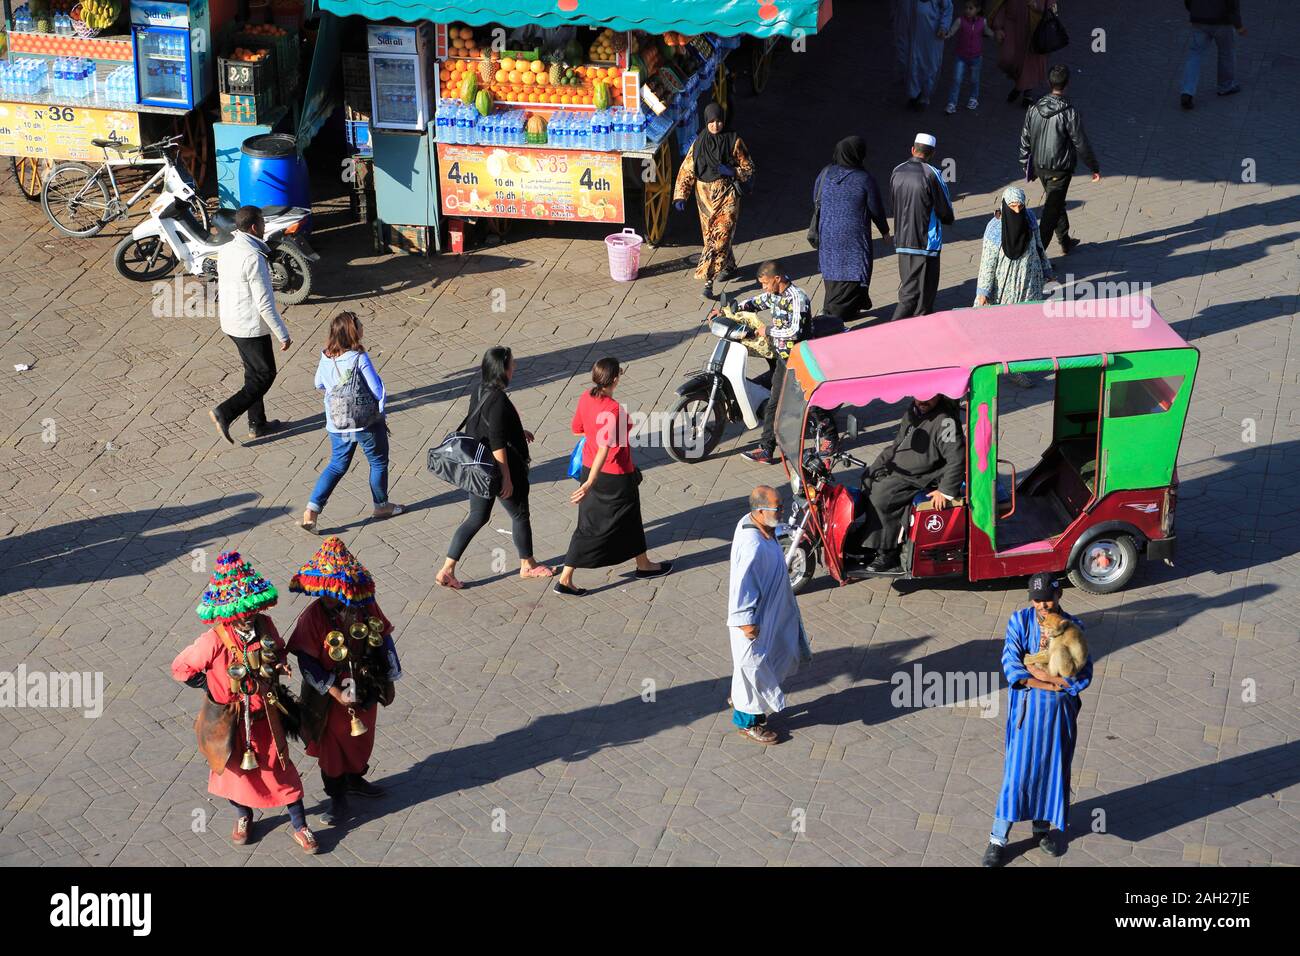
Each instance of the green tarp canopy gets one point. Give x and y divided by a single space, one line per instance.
723 17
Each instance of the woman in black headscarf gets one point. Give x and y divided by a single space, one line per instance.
849 203
714 167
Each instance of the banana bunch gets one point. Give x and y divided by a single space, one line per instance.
100 14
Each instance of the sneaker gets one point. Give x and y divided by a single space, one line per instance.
759 456
362 787
243 829
760 734
1187 101
1049 845
266 428
1235 89
223 427
972 104
885 562
708 290
335 813
305 839
992 856
950 108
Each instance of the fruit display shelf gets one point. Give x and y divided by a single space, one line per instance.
117 47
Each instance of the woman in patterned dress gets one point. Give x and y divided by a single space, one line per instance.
714 168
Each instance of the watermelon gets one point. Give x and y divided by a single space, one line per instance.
483 102
469 89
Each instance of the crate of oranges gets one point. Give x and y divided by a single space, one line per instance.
531 81
248 71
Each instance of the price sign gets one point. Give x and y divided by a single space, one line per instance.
62 132
562 184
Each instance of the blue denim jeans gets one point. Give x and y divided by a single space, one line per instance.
1224 39
1002 829
374 442
960 70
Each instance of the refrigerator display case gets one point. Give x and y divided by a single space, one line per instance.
399 76
172 52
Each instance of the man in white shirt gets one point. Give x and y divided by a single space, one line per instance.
246 305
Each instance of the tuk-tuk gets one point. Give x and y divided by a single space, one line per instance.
1103 491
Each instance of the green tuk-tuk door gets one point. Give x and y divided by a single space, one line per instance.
1145 407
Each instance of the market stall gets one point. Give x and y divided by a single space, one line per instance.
563 111
134 71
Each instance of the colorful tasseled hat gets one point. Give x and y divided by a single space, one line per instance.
236 592
334 572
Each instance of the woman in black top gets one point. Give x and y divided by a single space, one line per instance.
495 421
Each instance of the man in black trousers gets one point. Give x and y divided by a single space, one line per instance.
922 208
246 305
1051 144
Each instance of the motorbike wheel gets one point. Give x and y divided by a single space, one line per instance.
290 273
693 429
76 200
1105 565
802 565
144 260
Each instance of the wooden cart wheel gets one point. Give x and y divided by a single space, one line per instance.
722 90
197 146
659 195
31 173
760 65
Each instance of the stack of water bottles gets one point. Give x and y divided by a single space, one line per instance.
24 76
119 86
74 78
23 20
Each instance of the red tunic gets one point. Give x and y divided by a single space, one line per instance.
337 751
270 785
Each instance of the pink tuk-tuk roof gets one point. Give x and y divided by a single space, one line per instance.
953 343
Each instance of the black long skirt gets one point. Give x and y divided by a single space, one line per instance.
609 522
846 300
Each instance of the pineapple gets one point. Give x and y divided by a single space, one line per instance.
486 70
556 72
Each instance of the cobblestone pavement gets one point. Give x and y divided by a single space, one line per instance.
520 701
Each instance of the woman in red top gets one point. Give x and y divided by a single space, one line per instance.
609 506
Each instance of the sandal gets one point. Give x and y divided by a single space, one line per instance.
387 511
308 525
760 734
305 839
449 581
538 571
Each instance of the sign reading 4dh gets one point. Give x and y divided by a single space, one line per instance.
62 132
561 184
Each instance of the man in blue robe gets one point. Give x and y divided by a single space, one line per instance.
920 32
1042 727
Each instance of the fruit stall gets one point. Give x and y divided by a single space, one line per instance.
558 110
134 71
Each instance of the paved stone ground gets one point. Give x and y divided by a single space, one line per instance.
518 700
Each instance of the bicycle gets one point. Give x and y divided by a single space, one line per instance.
81 201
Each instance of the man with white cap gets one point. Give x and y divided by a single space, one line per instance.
921 208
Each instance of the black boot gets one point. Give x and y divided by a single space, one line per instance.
336 812
992 856
359 785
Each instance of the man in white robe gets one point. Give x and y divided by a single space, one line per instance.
922 49
767 636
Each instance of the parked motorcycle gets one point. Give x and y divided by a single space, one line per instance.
171 234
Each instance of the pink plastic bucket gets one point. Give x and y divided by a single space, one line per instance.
624 255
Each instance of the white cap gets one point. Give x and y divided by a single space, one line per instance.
925 139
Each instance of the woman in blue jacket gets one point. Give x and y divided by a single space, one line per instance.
850 203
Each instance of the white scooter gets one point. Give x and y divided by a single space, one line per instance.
171 234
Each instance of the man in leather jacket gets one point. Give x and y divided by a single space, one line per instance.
1052 143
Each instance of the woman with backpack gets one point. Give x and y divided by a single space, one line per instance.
494 421
354 415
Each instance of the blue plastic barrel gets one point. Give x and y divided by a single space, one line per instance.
271 173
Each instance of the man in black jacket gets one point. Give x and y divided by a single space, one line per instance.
1051 143
1213 21
922 208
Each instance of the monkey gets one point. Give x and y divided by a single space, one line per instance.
1066 649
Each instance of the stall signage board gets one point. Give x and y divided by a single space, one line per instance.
560 184
62 132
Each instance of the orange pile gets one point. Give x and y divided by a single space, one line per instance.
528 81
249 56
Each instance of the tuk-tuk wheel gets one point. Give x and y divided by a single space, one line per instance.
1105 564
802 564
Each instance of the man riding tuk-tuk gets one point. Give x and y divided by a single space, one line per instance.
1101 494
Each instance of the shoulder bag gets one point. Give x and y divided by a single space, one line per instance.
466 461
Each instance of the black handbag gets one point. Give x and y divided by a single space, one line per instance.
815 226
466 462
1049 36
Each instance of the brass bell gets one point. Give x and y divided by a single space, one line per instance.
268 646
249 762
267 670
237 672
359 729
254 657
337 644
358 631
